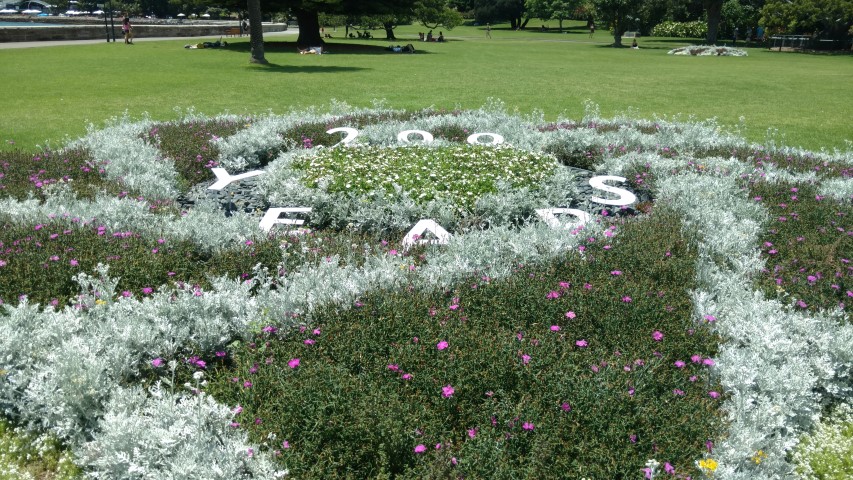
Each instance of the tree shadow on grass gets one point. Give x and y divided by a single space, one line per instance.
342 48
276 68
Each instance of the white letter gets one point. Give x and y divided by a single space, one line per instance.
271 217
625 197
351 133
549 217
475 139
416 234
224 179
403 136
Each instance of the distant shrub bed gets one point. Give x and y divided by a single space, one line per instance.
697 29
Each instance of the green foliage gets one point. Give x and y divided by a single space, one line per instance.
40 262
192 146
833 17
695 29
25 456
827 452
22 175
370 384
460 174
808 245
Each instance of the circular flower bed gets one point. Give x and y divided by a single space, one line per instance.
708 50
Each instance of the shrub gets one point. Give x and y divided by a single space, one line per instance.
695 29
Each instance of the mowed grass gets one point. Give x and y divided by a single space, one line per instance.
54 92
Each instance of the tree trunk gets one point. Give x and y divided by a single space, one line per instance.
309 28
256 33
714 10
389 31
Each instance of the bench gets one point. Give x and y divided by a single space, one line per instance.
631 35
233 32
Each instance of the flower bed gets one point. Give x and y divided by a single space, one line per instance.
653 337
708 50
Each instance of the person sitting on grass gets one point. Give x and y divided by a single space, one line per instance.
634 45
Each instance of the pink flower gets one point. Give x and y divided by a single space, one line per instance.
438 446
678 392
247 384
308 341
406 376
570 314
552 295
566 407
447 391
472 432
420 448
708 362
442 345
587 286
695 358
581 343
316 331
657 335
627 299
713 394
528 426
668 468
393 367
157 362
293 363
679 364
710 318
555 328
285 444
616 273
525 359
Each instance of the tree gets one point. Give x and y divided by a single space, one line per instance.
713 10
552 9
616 13
437 13
828 18
256 33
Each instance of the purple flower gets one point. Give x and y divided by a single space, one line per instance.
441 345
679 364
447 391
555 328
293 363
157 362
581 343
713 394
657 335
566 407
528 426
570 314
627 299
472 432
420 448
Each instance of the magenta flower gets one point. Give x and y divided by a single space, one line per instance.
570 314
581 343
566 407
393 367
668 468
420 448
447 391
157 362
525 359
293 363
438 446
627 299
714 394
441 345
407 376
553 295
695 358
616 273
679 364
285 444
555 328
708 362
247 384
472 432
710 318
528 426
657 335
678 392
308 341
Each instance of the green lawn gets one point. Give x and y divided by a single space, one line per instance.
56 91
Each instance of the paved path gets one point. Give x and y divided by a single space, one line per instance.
119 40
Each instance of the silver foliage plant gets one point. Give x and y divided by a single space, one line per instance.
64 366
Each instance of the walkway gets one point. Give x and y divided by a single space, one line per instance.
119 40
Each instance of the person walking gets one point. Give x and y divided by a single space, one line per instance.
488 30
127 31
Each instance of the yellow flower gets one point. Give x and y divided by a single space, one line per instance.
759 457
100 302
708 464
